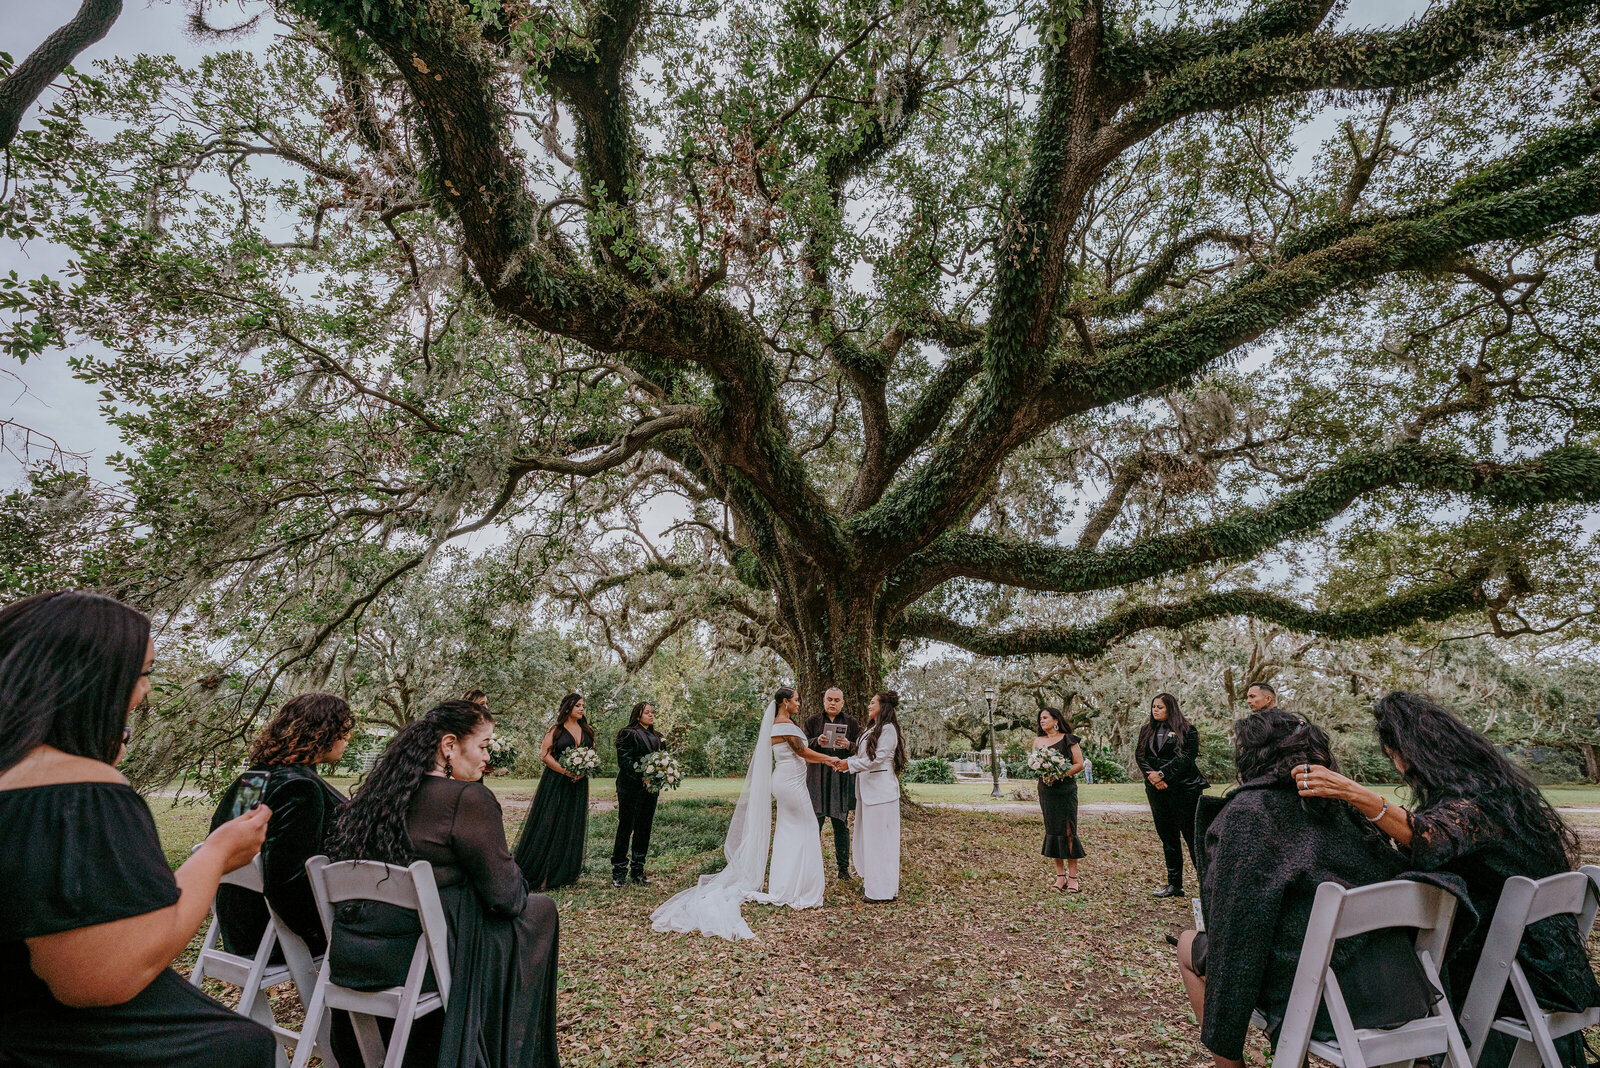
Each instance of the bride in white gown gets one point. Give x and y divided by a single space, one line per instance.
777 773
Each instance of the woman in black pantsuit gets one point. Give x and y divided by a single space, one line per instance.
1166 752
1059 800
636 806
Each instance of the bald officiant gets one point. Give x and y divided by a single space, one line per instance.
833 793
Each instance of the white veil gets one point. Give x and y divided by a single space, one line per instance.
712 905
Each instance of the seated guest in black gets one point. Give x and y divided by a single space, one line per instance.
310 729
92 915
1263 853
424 800
1476 816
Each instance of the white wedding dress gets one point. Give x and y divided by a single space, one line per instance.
712 905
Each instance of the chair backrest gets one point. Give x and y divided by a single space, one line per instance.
249 877
1523 901
411 887
1338 913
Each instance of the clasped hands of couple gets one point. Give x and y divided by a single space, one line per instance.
836 763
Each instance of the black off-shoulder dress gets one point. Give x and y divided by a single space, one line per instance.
74 855
1059 802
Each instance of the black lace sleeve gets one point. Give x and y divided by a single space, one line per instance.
1446 830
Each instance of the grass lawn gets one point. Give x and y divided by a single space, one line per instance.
978 963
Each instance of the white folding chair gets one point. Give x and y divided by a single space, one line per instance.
1524 901
409 888
1339 913
255 975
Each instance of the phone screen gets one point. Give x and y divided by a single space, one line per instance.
248 793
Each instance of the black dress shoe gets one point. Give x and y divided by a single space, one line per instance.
1169 891
640 878
617 882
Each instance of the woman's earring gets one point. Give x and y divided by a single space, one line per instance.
447 768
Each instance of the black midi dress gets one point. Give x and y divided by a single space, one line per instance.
1059 802
73 855
550 851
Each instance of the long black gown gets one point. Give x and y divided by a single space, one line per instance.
503 941
550 851
1059 801
74 855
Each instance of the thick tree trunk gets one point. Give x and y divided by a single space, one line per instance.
837 642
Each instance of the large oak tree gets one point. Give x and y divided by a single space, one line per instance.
910 307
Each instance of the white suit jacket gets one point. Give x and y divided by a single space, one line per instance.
876 782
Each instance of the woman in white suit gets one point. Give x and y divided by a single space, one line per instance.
879 758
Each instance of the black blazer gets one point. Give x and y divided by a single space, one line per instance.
633 745
303 809
1174 760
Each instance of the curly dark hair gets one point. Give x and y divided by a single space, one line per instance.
307 726
372 824
69 662
1446 759
888 701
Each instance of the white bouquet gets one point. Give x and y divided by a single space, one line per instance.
580 760
502 751
660 771
1050 765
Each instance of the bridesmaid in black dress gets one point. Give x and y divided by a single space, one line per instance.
1059 800
424 800
550 851
92 915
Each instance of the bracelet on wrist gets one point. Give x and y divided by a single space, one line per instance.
1381 811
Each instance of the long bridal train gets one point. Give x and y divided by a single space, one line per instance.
713 905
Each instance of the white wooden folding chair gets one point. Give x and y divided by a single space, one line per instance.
409 888
1524 901
255 975
1338 913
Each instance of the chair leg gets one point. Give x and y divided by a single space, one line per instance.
369 1038
314 1014
399 1038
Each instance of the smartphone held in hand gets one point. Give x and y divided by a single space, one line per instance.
247 795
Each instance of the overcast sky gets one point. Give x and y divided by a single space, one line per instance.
48 398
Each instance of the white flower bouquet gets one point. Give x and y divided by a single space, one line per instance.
1049 765
580 760
660 771
502 751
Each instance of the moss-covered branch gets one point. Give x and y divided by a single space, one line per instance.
1369 59
1170 350
1389 614
1132 61
1570 474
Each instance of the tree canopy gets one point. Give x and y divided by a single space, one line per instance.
1019 328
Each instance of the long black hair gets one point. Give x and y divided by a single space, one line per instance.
372 825
1175 723
888 701
68 664
564 713
633 717
1446 759
779 696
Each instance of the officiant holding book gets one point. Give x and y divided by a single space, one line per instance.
833 793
